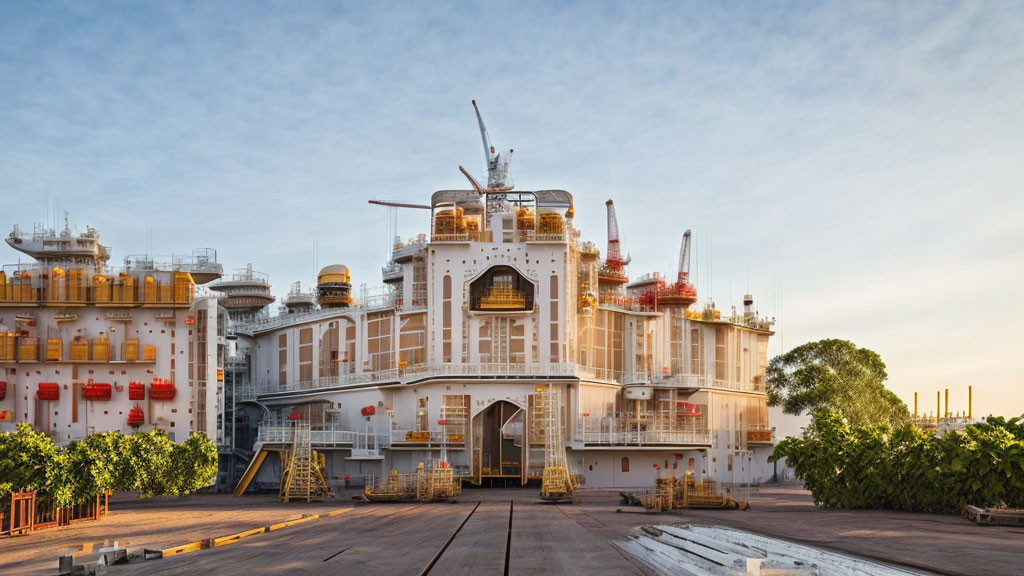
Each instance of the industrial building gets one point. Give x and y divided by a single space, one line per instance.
501 301
86 347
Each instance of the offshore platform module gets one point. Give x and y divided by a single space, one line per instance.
501 349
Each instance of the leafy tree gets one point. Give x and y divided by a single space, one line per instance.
148 462
24 458
834 375
874 466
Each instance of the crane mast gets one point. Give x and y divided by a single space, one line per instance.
684 259
497 165
614 259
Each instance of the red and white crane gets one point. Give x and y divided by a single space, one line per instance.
614 267
682 293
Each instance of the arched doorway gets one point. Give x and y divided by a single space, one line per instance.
498 442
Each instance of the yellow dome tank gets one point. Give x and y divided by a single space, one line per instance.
334 286
334 273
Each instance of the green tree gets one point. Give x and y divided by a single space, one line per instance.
148 462
25 456
835 375
875 466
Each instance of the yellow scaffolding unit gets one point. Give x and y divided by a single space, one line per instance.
557 482
302 478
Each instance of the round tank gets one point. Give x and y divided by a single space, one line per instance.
334 273
334 287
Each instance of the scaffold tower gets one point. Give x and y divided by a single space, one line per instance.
302 478
556 481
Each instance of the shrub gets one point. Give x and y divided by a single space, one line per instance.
875 466
148 462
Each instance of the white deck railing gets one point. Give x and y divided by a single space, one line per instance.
614 431
420 371
324 437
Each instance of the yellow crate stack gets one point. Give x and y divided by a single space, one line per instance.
101 349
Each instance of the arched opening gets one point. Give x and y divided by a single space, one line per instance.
498 441
625 464
501 289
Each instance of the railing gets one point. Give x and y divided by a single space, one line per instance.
324 437
410 436
418 371
706 381
61 293
615 431
760 433
288 319
477 236
391 271
246 392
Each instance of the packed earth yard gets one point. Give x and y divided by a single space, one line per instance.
495 532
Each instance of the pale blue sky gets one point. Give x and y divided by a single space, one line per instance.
871 152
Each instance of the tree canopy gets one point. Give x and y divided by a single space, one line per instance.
838 376
877 466
148 462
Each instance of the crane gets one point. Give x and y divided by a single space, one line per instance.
682 293
684 259
497 166
614 267
393 240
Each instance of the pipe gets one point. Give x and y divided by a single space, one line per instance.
945 413
970 402
915 404
938 406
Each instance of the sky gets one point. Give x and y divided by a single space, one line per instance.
856 166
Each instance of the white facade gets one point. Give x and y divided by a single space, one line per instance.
493 305
71 324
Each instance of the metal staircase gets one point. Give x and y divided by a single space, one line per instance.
302 478
556 481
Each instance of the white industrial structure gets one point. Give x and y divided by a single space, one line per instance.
499 302
88 348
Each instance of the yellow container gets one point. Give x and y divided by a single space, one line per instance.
149 353
101 349
53 350
184 287
58 285
124 291
152 288
7 346
79 349
3 286
131 350
100 289
76 286
28 349
22 287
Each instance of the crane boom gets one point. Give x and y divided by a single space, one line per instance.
473 182
399 204
684 258
613 258
484 136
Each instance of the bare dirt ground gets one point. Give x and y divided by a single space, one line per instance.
502 531
154 523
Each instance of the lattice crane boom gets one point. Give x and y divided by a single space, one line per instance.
613 258
399 204
684 259
497 165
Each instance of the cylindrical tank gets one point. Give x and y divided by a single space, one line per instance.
334 287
